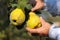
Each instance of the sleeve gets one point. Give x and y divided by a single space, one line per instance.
52 6
58 38
54 32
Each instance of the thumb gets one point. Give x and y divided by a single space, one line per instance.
42 20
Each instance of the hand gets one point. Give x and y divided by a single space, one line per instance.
42 30
39 5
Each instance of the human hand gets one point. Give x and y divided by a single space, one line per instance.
39 5
42 30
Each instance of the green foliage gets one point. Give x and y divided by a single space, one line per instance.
21 4
48 17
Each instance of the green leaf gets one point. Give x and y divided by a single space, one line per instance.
57 19
28 6
49 18
22 4
13 5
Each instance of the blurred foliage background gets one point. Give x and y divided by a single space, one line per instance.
9 32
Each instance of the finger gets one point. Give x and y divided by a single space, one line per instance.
33 9
37 6
42 20
31 30
37 0
43 31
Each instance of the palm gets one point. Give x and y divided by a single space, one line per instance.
44 29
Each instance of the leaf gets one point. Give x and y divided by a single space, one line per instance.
22 3
13 5
57 19
28 6
47 16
